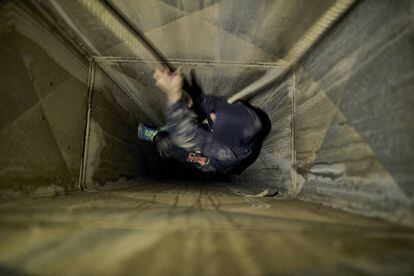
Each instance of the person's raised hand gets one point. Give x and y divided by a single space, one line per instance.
169 83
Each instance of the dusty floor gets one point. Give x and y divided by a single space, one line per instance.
189 229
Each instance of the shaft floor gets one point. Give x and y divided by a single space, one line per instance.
193 229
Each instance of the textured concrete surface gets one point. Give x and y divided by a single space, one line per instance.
215 34
208 33
205 30
349 140
354 115
274 165
123 94
226 57
112 150
352 145
42 107
193 229
231 30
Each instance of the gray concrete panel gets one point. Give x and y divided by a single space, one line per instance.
354 125
43 108
187 229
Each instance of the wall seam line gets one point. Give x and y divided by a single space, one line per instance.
99 59
84 157
293 113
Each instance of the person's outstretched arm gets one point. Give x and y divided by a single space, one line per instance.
170 83
182 125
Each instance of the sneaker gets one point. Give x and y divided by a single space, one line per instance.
162 129
147 133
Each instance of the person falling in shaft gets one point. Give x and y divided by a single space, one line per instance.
229 142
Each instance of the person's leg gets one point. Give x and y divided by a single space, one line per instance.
182 139
168 150
147 133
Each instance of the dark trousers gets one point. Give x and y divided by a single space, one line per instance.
188 154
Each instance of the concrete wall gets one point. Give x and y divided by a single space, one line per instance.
353 145
231 30
112 149
46 81
354 123
273 168
42 105
229 44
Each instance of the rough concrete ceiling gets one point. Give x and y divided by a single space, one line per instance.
230 43
229 30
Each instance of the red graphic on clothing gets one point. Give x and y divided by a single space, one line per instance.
197 158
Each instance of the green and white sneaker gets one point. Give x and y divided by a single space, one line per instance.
147 133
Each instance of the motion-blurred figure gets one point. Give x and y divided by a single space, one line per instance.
205 131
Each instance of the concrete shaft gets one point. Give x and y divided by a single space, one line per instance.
77 78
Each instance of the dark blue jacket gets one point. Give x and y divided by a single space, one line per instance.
226 143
